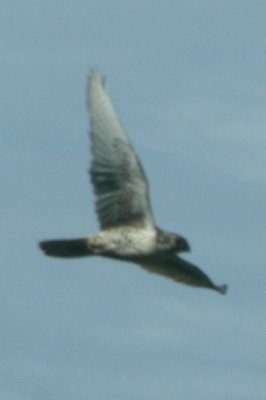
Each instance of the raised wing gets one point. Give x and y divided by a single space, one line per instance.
116 172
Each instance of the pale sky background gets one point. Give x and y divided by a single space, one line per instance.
188 79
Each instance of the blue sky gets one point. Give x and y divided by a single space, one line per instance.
188 81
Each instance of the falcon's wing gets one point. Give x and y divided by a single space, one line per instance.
116 172
181 271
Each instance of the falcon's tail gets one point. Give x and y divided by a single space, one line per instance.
66 248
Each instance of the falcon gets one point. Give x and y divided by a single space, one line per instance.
128 229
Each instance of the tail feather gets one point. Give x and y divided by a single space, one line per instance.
66 248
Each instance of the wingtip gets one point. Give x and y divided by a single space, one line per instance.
96 77
95 85
222 289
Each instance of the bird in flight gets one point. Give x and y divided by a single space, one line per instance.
128 230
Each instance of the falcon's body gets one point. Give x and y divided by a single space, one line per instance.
128 229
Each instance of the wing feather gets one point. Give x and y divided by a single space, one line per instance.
181 271
118 178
